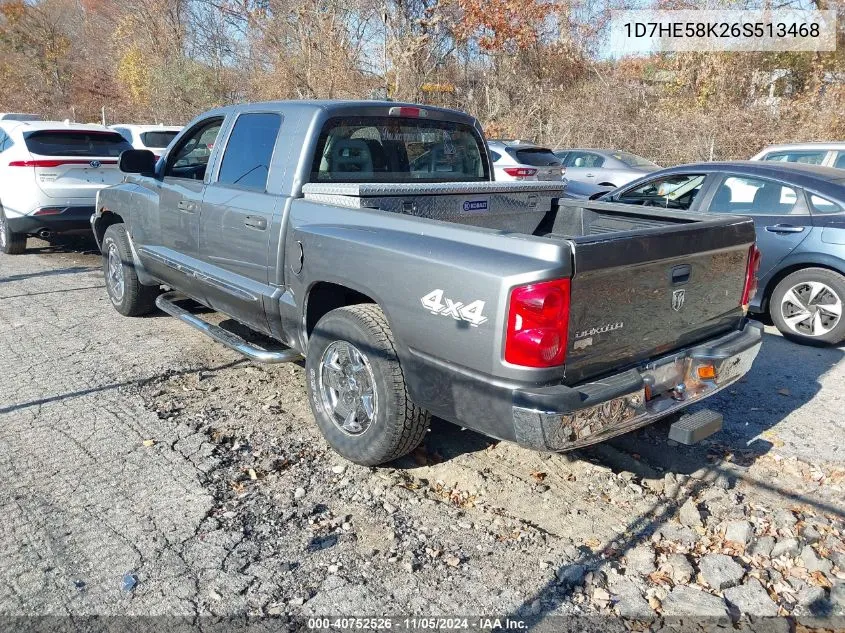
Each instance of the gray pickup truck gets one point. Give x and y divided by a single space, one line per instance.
370 238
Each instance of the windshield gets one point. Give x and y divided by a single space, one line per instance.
76 143
632 160
157 139
396 149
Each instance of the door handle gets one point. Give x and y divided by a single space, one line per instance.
784 228
187 206
255 222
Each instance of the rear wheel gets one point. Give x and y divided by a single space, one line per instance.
807 306
128 295
357 389
10 243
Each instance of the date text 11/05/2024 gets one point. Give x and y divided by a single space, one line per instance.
415 624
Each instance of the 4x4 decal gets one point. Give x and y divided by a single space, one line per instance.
436 303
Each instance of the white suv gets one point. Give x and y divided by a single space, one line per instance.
50 173
155 138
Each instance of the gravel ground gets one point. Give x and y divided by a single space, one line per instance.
145 470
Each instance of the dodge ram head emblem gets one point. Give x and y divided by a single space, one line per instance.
95 164
678 297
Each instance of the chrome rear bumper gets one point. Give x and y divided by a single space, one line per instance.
635 398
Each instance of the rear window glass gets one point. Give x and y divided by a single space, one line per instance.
396 149
157 139
632 160
536 156
76 143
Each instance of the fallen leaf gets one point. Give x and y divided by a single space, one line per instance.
592 543
819 579
149 443
252 474
538 475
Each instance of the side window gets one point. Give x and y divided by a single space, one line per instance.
562 156
584 159
753 196
246 161
807 157
3 140
190 158
823 205
495 156
677 191
840 160
593 161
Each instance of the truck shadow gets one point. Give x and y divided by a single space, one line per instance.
784 378
82 243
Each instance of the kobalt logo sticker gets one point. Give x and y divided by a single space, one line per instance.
475 205
471 312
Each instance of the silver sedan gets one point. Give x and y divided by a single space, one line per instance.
604 167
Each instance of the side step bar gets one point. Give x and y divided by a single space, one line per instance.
167 303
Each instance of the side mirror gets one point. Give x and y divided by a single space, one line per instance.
137 161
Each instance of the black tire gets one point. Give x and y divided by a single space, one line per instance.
10 243
136 299
397 425
799 283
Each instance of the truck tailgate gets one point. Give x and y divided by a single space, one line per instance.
651 284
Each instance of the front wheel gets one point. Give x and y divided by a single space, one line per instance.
10 243
807 306
357 389
128 295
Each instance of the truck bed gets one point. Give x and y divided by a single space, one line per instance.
646 280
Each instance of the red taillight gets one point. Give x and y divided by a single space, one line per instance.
538 321
520 172
408 111
751 268
56 163
48 211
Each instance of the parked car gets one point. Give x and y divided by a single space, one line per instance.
155 138
583 190
311 223
523 160
824 154
799 214
603 167
50 173
19 116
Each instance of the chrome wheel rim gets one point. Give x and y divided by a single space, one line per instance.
2 230
811 308
114 278
347 388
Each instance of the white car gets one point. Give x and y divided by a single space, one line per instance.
825 154
155 138
50 173
522 160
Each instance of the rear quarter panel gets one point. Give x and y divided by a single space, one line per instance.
398 261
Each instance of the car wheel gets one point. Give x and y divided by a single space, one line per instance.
128 295
10 243
357 389
807 306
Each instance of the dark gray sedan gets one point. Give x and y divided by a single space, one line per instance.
799 213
